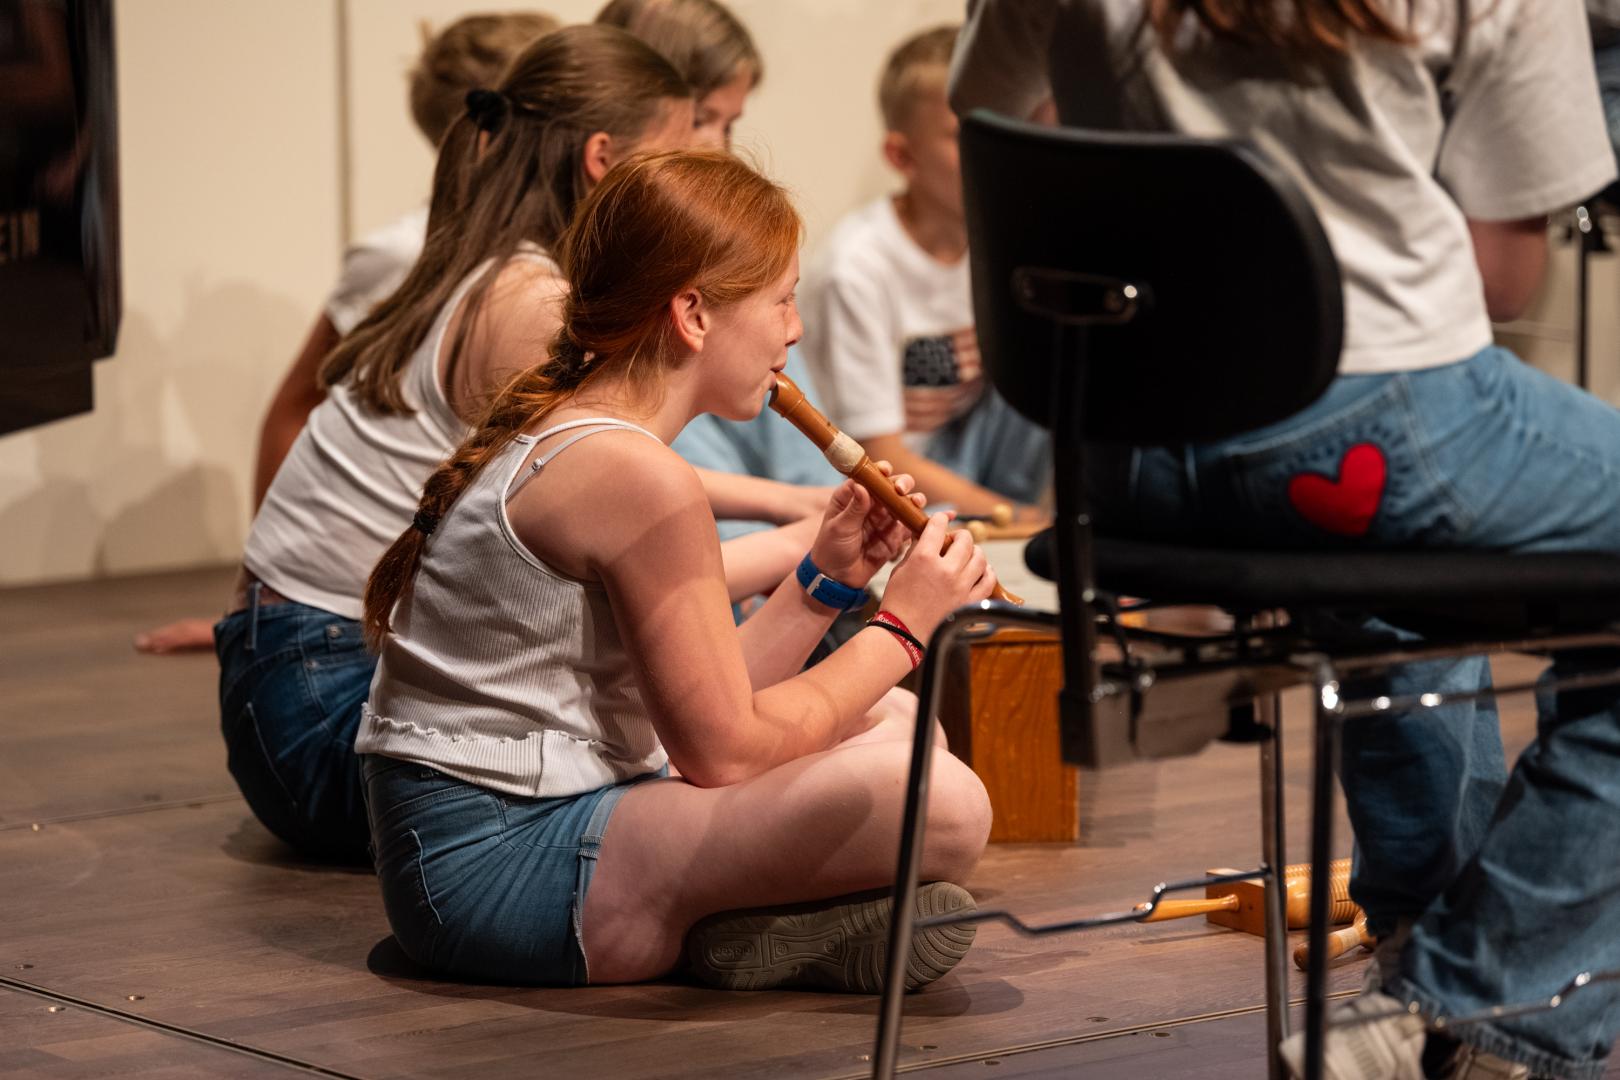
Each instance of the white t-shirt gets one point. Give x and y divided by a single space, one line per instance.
374 266
1392 181
353 478
888 329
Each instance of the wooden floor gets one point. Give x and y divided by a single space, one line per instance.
153 929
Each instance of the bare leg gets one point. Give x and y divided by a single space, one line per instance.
894 719
822 826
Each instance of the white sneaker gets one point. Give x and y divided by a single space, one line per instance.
1390 1048
1472 1064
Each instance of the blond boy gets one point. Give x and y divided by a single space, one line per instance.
889 320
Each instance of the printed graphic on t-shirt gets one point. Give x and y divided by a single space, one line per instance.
942 376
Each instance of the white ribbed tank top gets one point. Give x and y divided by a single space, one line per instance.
499 670
352 479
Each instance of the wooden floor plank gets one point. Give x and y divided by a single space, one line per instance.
195 909
47 1040
91 726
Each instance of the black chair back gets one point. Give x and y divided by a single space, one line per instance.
1238 316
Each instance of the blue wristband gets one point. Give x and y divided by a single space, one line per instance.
824 590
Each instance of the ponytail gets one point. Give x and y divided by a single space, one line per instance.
1313 28
505 180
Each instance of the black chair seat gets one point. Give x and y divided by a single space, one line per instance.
1509 593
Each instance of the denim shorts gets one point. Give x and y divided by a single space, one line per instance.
292 679
481 885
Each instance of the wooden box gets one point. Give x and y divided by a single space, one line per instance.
999 711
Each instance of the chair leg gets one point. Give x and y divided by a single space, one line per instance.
912 826
912 822
1325 767
1273 852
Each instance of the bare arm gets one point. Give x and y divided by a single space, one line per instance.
297 395
650 540
758 562
652 543
1512 258
520 315
940 484
735 497
853 540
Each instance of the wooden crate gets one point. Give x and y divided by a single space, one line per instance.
999 711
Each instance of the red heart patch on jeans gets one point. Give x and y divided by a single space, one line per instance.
1345 504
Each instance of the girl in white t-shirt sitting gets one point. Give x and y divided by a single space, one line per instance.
479 305
554 629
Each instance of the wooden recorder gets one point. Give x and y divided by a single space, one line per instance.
848 457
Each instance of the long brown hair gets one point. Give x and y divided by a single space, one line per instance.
522 186
656 225
708 45
1309 27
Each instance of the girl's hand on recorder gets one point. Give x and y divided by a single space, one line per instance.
931 583
858 534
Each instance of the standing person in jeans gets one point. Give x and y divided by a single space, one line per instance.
1432 153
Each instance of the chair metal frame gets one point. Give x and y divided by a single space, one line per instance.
1279 657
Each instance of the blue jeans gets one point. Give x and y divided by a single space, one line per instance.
482 885
292 679
1513 893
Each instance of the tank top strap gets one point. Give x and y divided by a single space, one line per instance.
592 426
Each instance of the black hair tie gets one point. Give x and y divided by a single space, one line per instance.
425 522
487 108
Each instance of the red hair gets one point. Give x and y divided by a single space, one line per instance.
657 225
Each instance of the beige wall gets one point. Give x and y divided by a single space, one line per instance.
813 123
230 234
233 213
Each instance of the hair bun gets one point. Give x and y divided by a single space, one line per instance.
487 108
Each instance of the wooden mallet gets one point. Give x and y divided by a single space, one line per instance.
1240 905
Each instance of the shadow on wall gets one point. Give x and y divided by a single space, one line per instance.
158 476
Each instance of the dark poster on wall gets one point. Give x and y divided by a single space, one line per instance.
60 281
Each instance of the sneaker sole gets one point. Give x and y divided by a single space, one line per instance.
840 946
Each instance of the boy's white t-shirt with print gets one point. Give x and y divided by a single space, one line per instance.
1393 179
373 268
888 330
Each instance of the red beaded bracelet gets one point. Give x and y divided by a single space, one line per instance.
891 622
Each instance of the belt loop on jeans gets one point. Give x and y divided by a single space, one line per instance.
253 615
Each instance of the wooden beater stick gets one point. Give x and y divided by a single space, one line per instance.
1339 942
849 458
